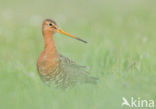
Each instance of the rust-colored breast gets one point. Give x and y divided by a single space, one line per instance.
47 64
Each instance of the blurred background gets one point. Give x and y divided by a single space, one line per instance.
121 52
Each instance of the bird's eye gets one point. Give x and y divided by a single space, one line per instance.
50 24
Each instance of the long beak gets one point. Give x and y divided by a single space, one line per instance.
67 34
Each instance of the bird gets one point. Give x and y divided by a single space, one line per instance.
56 68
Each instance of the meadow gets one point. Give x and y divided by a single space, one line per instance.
120 52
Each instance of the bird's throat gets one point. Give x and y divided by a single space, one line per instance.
49 44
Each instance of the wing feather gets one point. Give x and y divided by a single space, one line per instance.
73 73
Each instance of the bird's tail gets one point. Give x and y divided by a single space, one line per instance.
92 80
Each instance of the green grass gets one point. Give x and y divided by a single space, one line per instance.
119 33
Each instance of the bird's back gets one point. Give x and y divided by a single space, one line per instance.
72 73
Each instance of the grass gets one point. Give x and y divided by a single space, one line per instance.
119 33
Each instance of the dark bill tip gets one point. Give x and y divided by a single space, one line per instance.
81 40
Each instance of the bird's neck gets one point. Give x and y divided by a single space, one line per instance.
49 44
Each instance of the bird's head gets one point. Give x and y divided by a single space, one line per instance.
50 26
